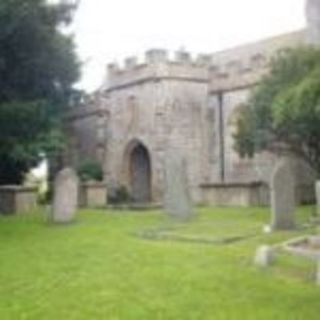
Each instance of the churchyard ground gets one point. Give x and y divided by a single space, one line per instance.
137 265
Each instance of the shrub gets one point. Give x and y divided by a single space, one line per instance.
120 196
90 170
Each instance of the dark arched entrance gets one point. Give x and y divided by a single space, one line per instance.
140 174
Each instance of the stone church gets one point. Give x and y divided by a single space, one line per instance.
188 103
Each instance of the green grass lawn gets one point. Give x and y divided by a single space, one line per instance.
98 268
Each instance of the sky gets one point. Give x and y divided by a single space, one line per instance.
111 30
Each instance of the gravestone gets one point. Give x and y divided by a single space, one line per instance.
178 204
65 201
317 275
264 257
283 196
318 197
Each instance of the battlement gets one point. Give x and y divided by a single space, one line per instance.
226 70
244 66
236 74
158 65
245 78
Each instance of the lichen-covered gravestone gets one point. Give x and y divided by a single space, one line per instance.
65 201
178 204
283 196
318 196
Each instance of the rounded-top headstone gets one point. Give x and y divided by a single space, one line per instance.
283 195
65 201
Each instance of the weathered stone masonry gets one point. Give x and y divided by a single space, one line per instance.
143 109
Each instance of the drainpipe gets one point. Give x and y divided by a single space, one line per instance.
221 137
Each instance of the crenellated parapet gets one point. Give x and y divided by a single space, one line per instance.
157 65
238 67
224 82
238 74
244 66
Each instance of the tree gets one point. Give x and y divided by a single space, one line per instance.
38 68
283 112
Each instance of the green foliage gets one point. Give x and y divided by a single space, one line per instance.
284 110
120 196
90 170
38 67
243 138
27 133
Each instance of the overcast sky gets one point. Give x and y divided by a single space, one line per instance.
110 30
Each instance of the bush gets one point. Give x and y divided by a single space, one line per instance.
120 196
90 170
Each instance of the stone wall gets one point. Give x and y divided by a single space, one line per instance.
93 195
183 103
87 132
227 165
237 62
165 109
17 199
235 194
233 76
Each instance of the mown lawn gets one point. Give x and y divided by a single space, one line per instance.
98 268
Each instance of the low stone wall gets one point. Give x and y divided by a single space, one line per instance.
93 195
17 199
236 194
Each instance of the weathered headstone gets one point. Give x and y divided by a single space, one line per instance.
318 196
283 196
178 204
265 256
65 201
317 275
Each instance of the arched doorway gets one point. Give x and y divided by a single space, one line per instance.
140 174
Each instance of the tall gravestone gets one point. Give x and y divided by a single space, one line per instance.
313 21
318 196
177 200
65 201
283 196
